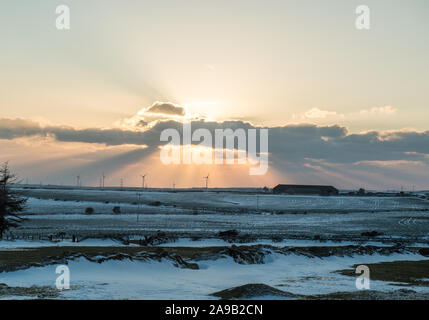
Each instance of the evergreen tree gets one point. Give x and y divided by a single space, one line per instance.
11 204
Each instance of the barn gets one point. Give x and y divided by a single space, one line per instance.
305 189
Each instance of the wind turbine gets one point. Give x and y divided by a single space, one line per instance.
143 176
103 177
207 180
78 181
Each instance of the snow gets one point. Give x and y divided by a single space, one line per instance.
285 225
19 244
186 242
161 280
49 207
78 199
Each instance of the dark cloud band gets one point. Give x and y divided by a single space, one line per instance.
290 143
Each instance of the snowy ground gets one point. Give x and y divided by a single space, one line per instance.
229 201
195 219
186 242
394 225
22 244
201 213
161 280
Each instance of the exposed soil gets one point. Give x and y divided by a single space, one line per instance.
400 272
252 290
183 257
31 292
257 290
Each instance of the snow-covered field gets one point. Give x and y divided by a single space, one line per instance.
186 242
22 244
131 201
393 225
195 220
161 280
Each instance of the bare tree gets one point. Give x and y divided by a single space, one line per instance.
11 204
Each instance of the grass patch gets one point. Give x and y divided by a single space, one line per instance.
408 272
18 259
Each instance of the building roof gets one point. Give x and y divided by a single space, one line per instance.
302 186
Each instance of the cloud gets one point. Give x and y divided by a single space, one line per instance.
386 110
316 113
166 108
148 117
291 141
305 153
15 128
390 163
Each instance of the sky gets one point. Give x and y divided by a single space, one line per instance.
343 106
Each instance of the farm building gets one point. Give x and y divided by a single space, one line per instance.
305 189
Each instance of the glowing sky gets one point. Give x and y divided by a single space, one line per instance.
273 63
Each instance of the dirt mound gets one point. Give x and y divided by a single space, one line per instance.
342 251
246 254
258 290
156 239
234 236
371 234
35 292
424 252
177 260
401 294
252 290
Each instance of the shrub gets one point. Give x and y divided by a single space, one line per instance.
11 204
